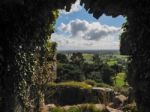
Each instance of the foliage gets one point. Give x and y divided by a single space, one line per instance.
90 82
69 72
72 84
44 71
88 57
111 62
77 59
97 60
89 108
57 109
89 70
103 85
74 109
30 26
107 74
62 58
123 90
78 108
44 67
120 80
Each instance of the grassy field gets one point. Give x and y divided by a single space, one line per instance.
109 59
120 80
72 84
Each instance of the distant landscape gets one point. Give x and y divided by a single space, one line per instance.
90 81
90 51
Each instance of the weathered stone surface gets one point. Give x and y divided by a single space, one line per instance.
119 101
74 95
109 109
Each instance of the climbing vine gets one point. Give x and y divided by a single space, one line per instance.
30 27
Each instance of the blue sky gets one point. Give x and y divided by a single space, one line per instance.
78 30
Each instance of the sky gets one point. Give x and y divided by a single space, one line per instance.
78 30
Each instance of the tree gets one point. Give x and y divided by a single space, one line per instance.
69 72
62 58
77 58
97 60
107 74
116 68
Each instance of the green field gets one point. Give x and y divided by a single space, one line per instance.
120 80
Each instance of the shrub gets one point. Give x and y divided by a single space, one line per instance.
89 108
119 79
122 90
103 85
82 85
77 108
90 82
57 109
74 109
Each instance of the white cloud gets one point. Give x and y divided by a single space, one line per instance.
74 8
80 34
66 43
88 31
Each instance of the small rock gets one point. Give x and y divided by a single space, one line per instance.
51 105
119 100
109 109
